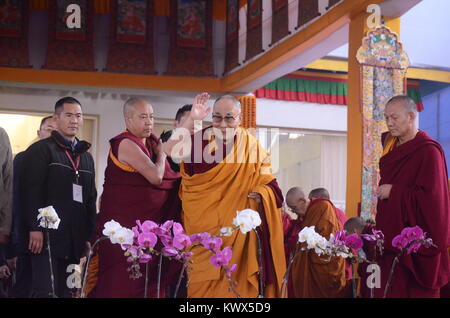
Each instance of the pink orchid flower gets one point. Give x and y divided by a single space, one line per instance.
414 247
135 230
147 239
378 234
184 256
339 239
221 258
167 225
145 258
212 243
180 241
166 240
199 237
148 226
413 233
177 228
230 270
354 242
169 251
400 241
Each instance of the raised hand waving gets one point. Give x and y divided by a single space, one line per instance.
199 108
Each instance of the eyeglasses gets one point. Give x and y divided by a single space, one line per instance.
228 119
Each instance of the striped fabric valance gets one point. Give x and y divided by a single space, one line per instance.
319 89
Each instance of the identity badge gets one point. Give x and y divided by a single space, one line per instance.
77 193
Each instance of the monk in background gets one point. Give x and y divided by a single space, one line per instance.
413 190
297 203
139 185
316 276
322 193
225 170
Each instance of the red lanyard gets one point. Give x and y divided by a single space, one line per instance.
74 165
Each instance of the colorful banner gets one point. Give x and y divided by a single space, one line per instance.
131 21
11 18
191 31
254 29
311 89
70 36
320 90
190 27
280 20
383 65
63 32
232 20
254 14
130 47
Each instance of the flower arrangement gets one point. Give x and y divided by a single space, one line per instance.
338 245
378 238
140 245
410 240
248 220
49 219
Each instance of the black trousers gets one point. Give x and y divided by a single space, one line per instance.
41 283
22 285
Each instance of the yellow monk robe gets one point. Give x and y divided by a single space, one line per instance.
389 144
210 201
316 276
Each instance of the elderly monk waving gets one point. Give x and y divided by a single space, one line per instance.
224 169
413 191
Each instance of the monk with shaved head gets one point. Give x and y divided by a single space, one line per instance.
413 191
139 185
296 203
322 193
314 276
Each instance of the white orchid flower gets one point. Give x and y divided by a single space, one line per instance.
48 218
123 236
331 240
321 246
226 231
305 233
110 228
247 220
342 254
314 239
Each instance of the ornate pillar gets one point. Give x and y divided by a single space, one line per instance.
376 72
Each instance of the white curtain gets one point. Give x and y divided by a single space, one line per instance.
333 167
313 161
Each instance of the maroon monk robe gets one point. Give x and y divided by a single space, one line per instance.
199 165
419 196
291 228
127 197
342 218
